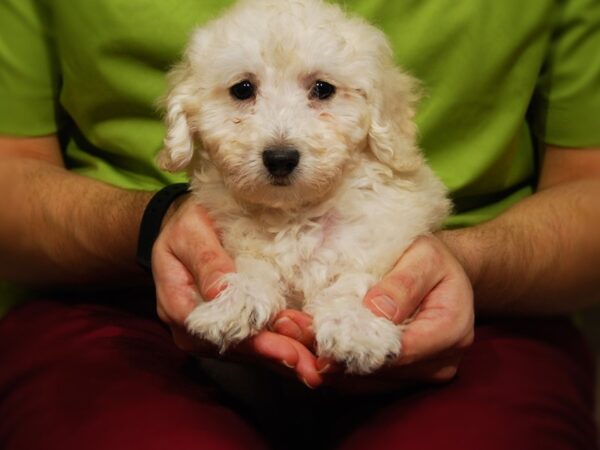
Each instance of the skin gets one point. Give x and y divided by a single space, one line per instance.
507 264
51 235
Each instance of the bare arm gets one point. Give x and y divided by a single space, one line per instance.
58 227
543 255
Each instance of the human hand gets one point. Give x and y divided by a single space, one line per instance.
188 262
430 293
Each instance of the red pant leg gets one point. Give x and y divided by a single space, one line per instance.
524 385
96 377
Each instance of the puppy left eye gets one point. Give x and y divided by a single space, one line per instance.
243 90
322 90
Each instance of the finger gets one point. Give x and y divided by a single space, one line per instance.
328 366
197 246
438 328
267 345
400 292
286 351
296 325
176 291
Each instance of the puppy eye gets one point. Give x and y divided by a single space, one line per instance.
322 90
242 90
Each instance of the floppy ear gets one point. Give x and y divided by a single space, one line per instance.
392 135
179 142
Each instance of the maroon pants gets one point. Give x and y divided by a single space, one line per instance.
85 376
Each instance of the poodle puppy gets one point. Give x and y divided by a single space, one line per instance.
296 130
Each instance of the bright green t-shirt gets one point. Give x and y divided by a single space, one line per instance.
498 76
103 62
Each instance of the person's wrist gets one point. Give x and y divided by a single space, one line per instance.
466 247
153 220
174 207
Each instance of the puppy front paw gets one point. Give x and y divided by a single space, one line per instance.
357 338
241 310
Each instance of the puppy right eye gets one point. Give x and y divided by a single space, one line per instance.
322 90
242 90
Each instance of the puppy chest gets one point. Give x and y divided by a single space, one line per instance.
304 255
285 247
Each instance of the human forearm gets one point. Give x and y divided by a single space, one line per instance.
58 227
541 256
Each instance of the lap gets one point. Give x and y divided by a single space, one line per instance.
98 377
524 384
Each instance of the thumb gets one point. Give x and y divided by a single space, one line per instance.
399 293
194 242
210 263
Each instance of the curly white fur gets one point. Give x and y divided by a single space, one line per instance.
359 196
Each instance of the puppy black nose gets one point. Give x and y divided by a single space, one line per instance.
280 161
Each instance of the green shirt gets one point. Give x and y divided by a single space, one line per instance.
486 66
103 62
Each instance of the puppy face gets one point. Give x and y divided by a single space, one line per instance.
281 97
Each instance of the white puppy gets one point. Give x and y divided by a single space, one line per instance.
296 130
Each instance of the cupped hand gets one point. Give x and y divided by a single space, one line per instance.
428 293
188 262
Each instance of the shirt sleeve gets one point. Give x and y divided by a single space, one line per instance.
569 88
28 70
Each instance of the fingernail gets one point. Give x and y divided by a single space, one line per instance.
306 383
323 364
287 364
213 281
324 369
386 306
287 327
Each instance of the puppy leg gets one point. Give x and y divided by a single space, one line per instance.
348 332
252 296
